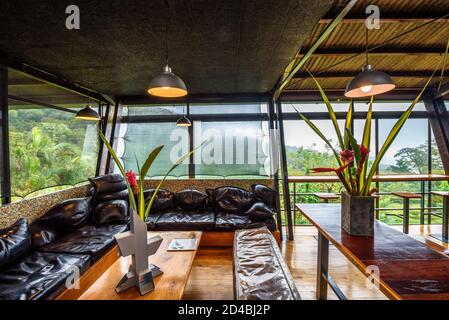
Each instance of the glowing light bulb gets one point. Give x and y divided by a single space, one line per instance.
165 88
366 88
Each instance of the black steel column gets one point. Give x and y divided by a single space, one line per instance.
103 124
191 146
112 136
5 177
285 180
273 140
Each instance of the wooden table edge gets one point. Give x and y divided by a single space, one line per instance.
383 287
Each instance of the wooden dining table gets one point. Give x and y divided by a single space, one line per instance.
376 178
402 267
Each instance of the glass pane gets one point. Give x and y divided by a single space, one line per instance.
409 151
137 140
227 108
139 110
305 149
386 106
236 149
314 107
49 148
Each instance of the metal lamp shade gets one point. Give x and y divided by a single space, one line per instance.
87 114
369 83
167 85
183 122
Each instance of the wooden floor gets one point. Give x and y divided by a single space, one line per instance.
211 276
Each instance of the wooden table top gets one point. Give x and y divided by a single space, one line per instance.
176 266
409 270
407 195
379 178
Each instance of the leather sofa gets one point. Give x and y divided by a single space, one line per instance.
37 260
225 208
260 272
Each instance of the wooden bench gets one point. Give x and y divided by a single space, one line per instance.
256 250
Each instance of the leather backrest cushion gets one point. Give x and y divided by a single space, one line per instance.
15 241
115 211
42 235
231 199
68 215
164 200
265 194
109 183
119 195
191 199
260 212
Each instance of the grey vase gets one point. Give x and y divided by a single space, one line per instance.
357 215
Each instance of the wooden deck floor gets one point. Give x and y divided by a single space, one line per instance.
211 276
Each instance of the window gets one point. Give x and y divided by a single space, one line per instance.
49 149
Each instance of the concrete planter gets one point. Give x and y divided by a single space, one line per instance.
357 215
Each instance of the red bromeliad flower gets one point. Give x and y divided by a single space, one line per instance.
364 151
347 156
132 179
336 170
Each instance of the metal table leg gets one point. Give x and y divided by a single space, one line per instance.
406 216
323 266
445 226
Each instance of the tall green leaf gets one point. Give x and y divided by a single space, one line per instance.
348 124
393 134
366 140
331 112
149 162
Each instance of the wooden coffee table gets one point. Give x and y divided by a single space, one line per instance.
176 266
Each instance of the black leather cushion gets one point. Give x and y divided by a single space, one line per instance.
164 200
15 241
39 275
42 235
229 222
68 215
92 240
115 211
182 220
191 199
260 212
265 194
231 199
119 195
109 183
152 218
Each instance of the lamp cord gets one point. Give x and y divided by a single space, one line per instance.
167 8
366 34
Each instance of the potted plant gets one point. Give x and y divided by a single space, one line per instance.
135 242
357 213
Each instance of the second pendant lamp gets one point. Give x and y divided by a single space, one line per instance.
369 82
167 84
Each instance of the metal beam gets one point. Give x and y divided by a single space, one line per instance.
46 105
439 121
5 178
345 75
114 128
51 78
382 51
390 18
299 60
197 98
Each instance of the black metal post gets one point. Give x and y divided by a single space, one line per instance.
4 141
191 146
103 126
285 180
445 224
112 136
406 215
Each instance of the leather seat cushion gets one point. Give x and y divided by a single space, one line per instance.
39 275
182 220
119 195
114 211
165 200
15 241
68 215
229 222
191 199
109 183
152 219
260 212
265 194
92 240
231 199
42 235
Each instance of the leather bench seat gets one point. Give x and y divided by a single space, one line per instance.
91 240
231 222
39 275
260 272
184 220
